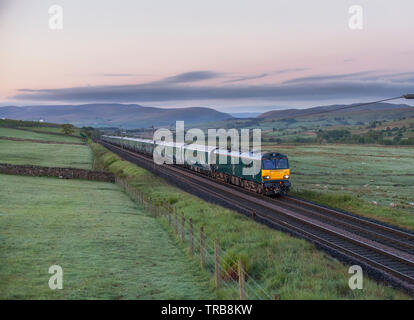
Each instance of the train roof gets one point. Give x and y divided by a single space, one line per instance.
237 154
199 147
169 144
249 155
195 147
130 139
273 155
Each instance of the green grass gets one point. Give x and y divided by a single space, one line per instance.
53 155
15 133
107 246
53 130
367 173
291 267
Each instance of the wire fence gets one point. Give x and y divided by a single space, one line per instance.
229 275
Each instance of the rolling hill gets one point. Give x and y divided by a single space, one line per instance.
333 109
112 115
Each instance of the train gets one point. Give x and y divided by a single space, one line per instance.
270 177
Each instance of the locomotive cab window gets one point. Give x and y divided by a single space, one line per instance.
282 163
273 164
268 164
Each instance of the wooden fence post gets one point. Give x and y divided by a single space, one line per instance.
216 263
182 226
155 207
161 213
169 216
164 209
175 221
160 208
242 290
202 256
190 221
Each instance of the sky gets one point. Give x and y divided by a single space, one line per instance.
231 55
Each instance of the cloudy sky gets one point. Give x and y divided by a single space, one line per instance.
233 55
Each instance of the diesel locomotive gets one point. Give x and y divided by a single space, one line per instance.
270 177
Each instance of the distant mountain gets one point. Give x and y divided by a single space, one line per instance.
333 109
113 115
246 114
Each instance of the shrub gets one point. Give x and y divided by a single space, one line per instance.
230 264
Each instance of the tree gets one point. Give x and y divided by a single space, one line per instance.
334 135
68 129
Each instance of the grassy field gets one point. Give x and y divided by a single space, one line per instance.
280 263
54 155
15 133
107 246
383 132
339 118
364 174
52 130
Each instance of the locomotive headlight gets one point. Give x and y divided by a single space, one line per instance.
266 177
286 177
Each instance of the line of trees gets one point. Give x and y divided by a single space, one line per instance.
389 136
22 123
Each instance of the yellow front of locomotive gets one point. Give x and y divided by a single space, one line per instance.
275 173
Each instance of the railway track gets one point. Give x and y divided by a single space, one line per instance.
385 252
